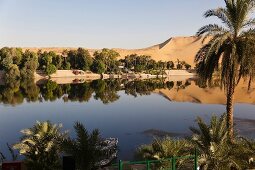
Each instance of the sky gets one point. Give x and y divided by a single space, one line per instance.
100 23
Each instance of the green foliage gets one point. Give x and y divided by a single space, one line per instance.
98 66
50 69
170 65
225 53
66 65
45 59
80 59
230 41
187 66
17 91
82 92
106 58
29 64
84 148
49 90
84 59
12 73
40 145
165 148
57 60
179 66
10 56
30 90
139 63
106 91
216 149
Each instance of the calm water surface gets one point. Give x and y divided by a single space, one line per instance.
126 110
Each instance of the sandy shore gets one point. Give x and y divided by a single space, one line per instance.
79 76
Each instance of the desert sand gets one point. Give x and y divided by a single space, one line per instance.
182 48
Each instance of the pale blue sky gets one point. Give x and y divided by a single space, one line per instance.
99 23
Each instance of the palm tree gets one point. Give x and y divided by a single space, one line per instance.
212 142
165 148
215 147
226 52
41 145
85 148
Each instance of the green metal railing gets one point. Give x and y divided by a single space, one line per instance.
148 163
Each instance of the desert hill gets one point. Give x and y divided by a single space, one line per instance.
182 48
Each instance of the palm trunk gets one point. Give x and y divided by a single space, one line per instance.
230 111
249 85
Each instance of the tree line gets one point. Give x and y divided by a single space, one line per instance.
22 65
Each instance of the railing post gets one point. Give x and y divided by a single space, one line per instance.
147 165
173 163
195 160
120 165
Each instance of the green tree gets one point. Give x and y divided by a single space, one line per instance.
84 59
225 52
165 148
40 145
10 56
12 72
170 65
29 64
179 65
84 148
57 60
72 59
98 66
45 59
50 69
187 66
215 147
108 57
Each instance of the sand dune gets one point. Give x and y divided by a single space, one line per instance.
182 48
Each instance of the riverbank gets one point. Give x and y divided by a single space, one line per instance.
80 76
90 75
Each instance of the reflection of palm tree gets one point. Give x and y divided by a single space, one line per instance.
41 145
226 49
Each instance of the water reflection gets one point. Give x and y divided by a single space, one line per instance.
131 110
190 90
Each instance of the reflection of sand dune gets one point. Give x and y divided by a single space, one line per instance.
195 94
182 48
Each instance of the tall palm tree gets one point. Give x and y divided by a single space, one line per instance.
41 145
227 51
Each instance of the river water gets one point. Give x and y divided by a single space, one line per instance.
133 111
